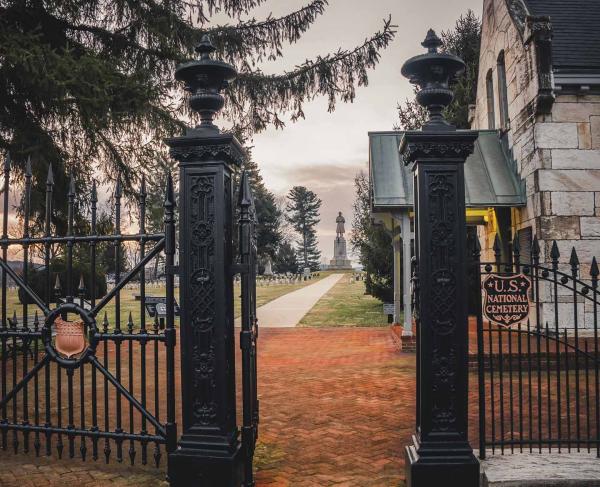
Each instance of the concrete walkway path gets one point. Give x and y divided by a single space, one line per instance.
287 310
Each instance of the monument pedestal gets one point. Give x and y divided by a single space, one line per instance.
340 259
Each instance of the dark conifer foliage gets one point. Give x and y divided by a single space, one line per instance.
303 216
87 86
286 259
268 214
372 243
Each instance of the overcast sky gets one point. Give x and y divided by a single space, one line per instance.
325 151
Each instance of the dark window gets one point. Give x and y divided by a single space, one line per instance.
491 111
525 236
502 92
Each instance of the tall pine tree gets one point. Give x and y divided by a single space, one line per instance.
88 86
303 215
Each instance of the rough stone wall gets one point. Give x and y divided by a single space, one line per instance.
499 33
557 155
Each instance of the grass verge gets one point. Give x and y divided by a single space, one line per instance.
346 304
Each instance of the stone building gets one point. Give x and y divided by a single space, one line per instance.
536 166
539 87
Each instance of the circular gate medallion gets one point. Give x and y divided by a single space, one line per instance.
69 343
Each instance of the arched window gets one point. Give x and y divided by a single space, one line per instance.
491 111
502 92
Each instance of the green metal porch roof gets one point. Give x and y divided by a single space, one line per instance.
490 179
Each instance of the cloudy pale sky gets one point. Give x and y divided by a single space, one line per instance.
325 151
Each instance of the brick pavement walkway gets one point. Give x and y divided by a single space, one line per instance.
336 409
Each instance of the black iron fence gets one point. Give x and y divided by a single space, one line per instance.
249 325
538 373
99 385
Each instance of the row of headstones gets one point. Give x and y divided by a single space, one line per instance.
281 279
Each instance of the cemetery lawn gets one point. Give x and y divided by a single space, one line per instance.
346 304
264 294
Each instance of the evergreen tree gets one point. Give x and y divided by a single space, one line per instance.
268 214
303 215
155 200
372 244
463 41
286 260
88 87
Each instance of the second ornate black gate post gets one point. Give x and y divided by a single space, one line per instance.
208 452
440 453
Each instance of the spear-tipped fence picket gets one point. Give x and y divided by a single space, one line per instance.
539 378
120 391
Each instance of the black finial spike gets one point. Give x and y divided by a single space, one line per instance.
594 271
57 283
497 244
574 260
245 197
143 192
94 195
28 172
130 322
7 161
15 320
169 193
554 253
50 177
105 322
516 244
118 189
535 246
81 284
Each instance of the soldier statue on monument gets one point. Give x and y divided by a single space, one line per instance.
340 259
340 230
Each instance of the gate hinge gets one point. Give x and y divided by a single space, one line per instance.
239 269
172 270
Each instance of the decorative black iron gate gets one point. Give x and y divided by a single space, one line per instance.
538 371
116 382
119 376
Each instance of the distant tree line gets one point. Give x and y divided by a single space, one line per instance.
286 230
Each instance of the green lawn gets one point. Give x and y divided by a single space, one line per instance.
346 304
264 294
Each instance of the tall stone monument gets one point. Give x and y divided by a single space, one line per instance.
340 258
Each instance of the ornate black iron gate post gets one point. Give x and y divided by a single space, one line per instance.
208 452
441 454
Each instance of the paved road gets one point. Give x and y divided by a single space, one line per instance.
287 310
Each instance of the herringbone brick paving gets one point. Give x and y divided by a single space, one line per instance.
337 408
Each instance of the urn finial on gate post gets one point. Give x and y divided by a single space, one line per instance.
432 73
204 79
